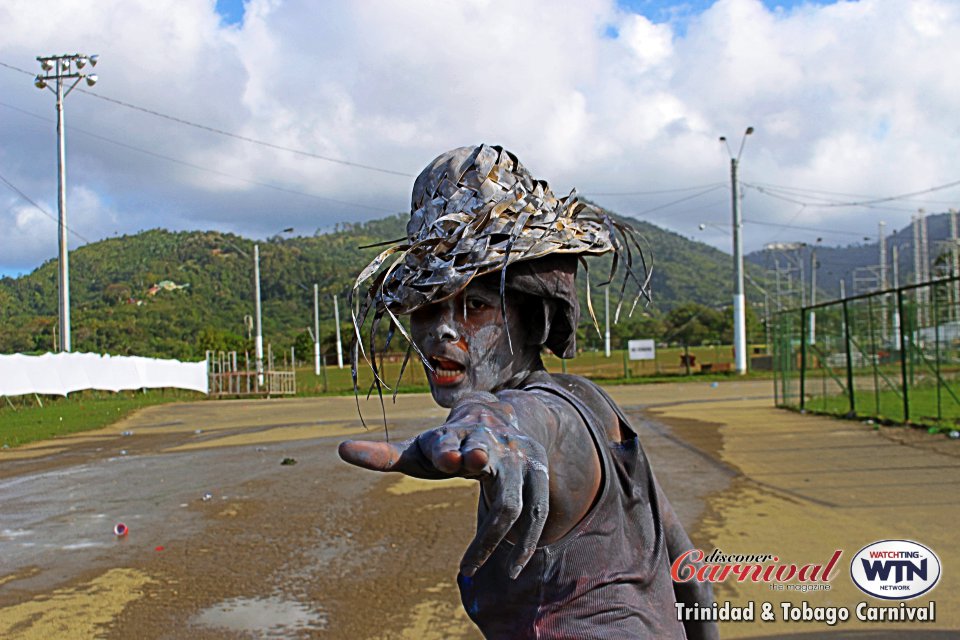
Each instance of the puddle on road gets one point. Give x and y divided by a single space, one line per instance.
263 617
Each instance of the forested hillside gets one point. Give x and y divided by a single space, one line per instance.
176 294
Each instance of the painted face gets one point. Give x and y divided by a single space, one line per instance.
465 340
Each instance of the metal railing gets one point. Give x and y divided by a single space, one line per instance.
227 378
891 355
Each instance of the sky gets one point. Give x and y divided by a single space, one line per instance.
253 117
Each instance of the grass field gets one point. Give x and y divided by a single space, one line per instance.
28 418
926 409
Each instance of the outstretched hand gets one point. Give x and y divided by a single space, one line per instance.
511 467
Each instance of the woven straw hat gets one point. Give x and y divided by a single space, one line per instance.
475 211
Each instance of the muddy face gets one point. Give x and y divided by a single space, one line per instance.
465 340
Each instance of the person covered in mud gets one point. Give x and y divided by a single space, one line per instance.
574 537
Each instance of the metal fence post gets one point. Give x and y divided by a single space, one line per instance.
874 358
803 358
775 359
903 357
936 342
846 339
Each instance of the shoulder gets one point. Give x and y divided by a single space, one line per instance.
550 389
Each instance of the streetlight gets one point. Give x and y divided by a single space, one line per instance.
814 265
739 312
58 70
258 325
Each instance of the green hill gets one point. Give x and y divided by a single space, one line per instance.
176 294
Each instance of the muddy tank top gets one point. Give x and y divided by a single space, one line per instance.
609 576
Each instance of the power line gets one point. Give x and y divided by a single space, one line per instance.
791 226
236 136
659 191
700 209
675 202
198 167
861 203
36 206
802 190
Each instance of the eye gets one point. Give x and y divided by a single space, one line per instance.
476 304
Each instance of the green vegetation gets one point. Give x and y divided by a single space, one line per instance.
25 420
939 414
177 294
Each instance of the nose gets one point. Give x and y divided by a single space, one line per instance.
446 328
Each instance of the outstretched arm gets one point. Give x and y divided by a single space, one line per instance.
538 468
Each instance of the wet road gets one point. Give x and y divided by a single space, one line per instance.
226 542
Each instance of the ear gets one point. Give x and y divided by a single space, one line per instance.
541 317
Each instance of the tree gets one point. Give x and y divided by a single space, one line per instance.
693 324
116 293
303 346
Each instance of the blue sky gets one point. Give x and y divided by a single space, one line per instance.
230 10
661 11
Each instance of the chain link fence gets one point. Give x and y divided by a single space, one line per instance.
891 355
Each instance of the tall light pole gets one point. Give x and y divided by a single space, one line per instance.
814 265
336 321
258 344
59 71
739 302
316 330
606 317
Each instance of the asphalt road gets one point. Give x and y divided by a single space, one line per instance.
225 541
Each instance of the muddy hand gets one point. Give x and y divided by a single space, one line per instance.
511 467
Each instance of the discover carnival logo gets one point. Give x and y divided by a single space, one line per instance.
895 569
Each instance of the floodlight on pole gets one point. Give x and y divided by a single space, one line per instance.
63 72
739 303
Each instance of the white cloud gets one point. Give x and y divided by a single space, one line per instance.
852 97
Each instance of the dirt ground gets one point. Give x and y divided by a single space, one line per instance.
226 541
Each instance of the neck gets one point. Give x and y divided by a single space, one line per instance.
530 364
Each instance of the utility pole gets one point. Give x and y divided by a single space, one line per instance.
895 254
59 70
915 227
813 293
924 269
336 320
739 302
924 247
316 330
883 255
606 317
776 265
883 279
258 340
917 269
955 264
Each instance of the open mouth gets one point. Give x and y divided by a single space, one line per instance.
446 372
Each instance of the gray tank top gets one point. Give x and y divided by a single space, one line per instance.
609 577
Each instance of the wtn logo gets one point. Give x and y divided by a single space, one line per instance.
895 569
905 569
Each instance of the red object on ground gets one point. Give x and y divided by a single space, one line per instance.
159 548
120 530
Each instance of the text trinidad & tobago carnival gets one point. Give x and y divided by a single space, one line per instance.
766 568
